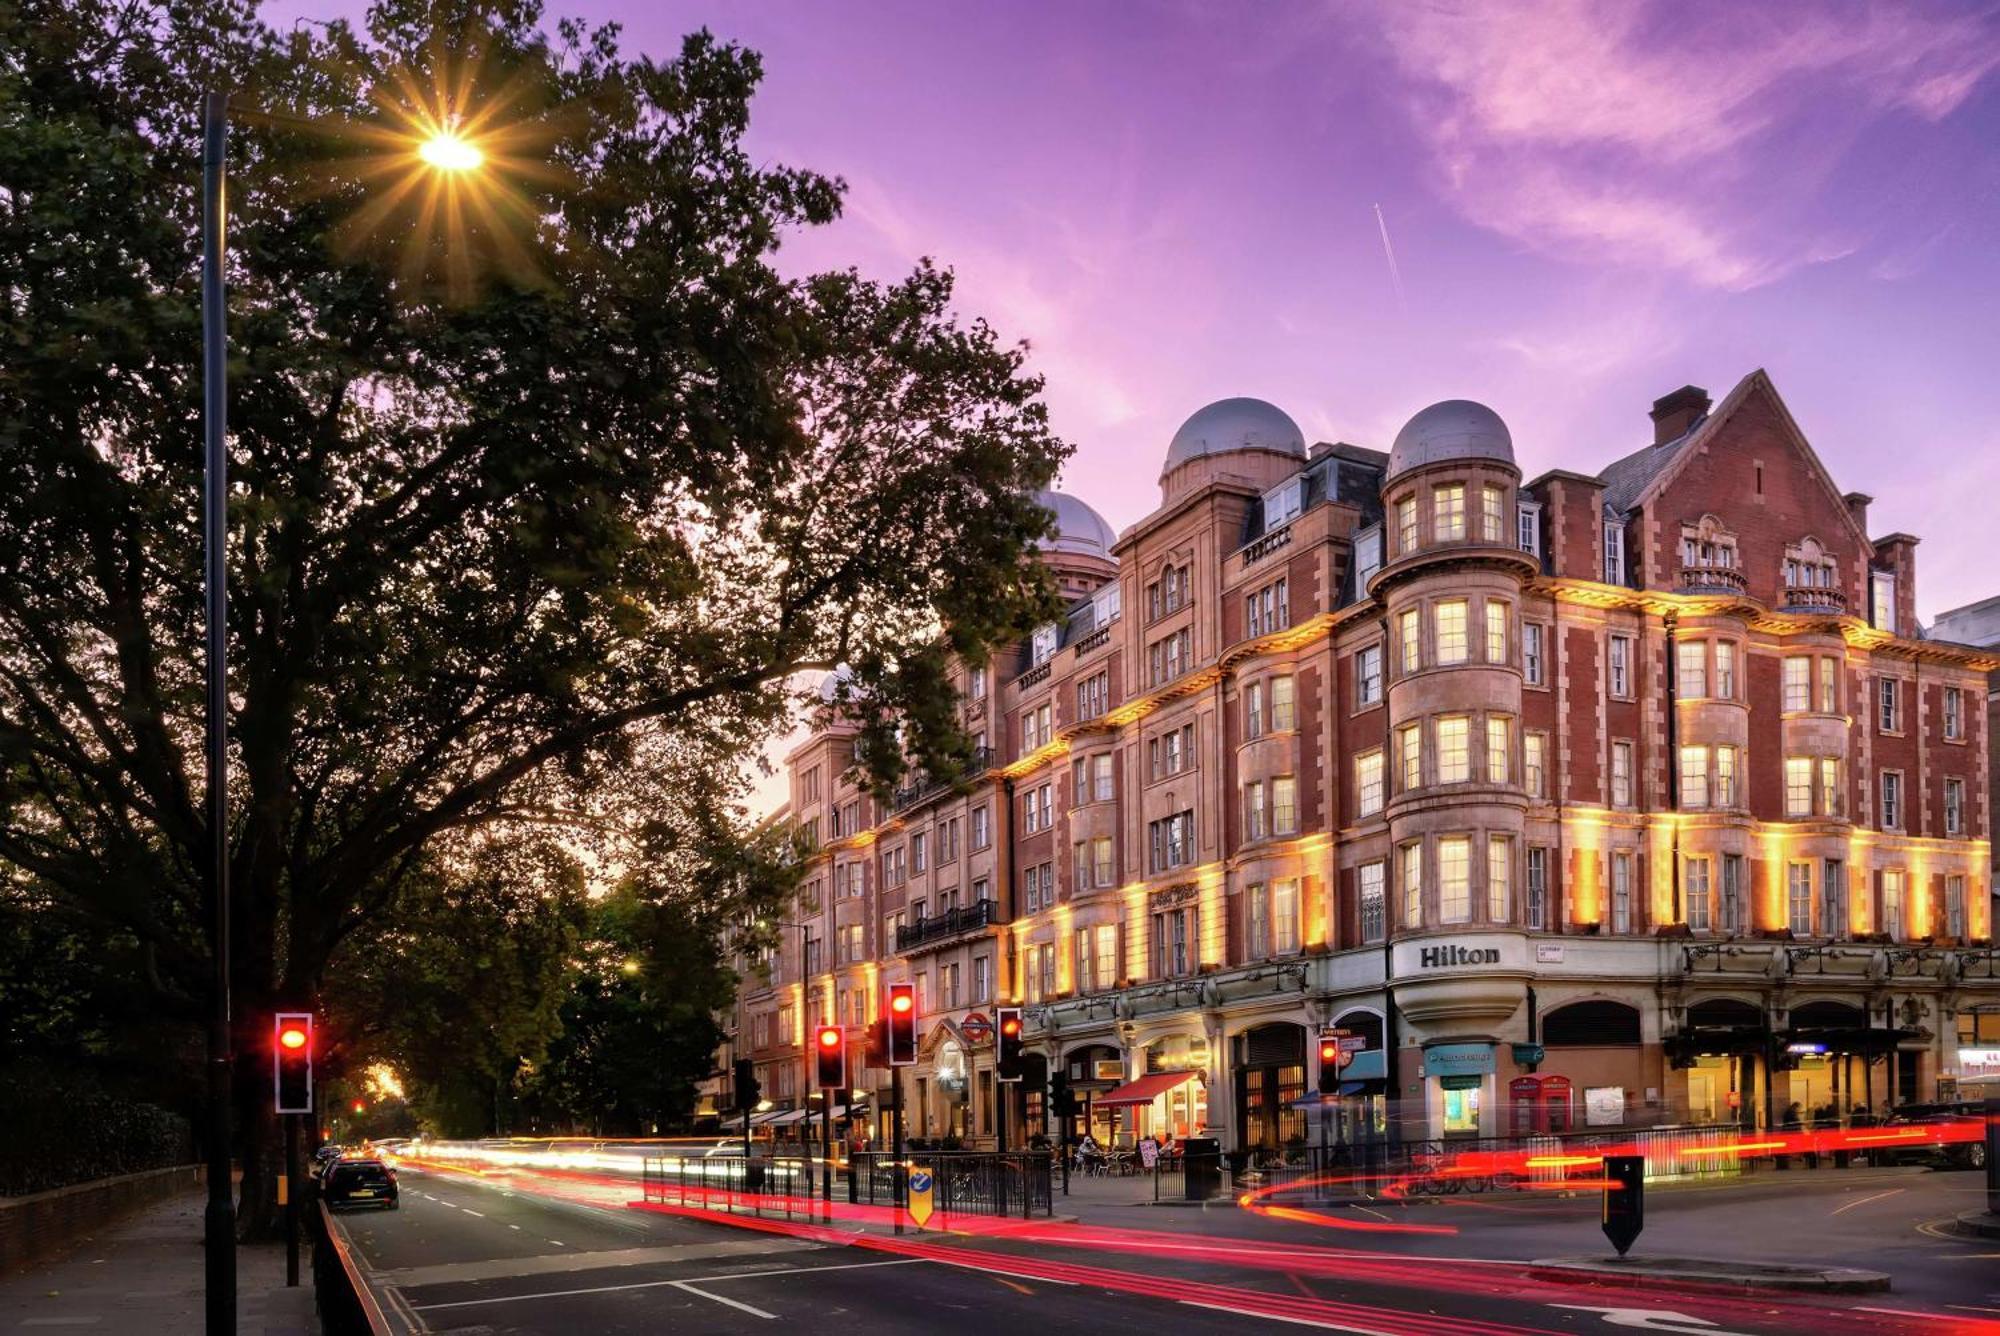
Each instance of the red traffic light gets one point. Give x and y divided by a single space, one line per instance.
359 1106
1010 1026
901 1002
829 1036
1329 1050
292 1037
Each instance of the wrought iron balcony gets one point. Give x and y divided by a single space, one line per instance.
1807 598
1713 580
953 922
912 794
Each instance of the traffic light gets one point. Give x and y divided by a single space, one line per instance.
1061 1098
830 1058
748 1092
1009 1057
292 1061
1329 1063
902 1025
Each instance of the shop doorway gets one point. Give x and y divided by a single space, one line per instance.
1270 1066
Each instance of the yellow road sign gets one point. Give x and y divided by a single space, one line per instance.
922 1185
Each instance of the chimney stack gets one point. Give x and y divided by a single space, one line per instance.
1857 506
1674 414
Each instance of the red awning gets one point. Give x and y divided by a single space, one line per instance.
1142 1091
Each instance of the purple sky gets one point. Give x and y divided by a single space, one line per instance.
1590 204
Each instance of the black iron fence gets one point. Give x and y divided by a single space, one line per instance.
964 1183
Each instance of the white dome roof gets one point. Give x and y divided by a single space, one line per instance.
1235 424
831 685
1454 429
1079 529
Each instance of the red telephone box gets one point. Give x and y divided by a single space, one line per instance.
1524 1097
1556 1115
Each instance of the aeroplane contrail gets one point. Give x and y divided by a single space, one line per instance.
1389 252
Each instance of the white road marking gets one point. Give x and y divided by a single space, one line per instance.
692 1280
687 1287
1972 1308
513 1226
559 1243
474 1214
1863 1201
1279 1317
1654 1319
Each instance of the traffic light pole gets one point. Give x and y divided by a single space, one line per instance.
291 1200
826 1164
897 1174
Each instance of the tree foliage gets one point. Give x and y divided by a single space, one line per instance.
546 487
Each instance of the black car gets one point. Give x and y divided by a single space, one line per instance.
359 1183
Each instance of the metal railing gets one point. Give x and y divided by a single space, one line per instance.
911 794
1018 1183
957 919
775 1185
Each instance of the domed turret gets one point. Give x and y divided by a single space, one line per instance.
835 683
1235 424
1454 429
1080 530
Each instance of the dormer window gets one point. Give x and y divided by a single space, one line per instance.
1042 646
1809 566
1283 502
1367 558
1528 528
1707 545
1106 604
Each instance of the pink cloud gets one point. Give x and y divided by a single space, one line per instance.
1610 132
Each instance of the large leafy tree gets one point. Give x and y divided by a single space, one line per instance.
544 484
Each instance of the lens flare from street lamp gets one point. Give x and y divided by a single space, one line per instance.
448 153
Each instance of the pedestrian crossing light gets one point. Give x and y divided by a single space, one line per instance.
902 1025
1008 1059
830 1057
292 1061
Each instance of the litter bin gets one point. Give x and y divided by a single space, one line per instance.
1201 1167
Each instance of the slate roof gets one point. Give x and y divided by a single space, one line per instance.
1625 480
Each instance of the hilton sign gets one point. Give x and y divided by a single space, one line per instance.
1445 957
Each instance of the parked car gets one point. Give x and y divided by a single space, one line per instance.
1957 1135
358 1183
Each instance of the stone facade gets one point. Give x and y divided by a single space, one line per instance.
1621 799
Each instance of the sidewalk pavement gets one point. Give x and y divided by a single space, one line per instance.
144 1274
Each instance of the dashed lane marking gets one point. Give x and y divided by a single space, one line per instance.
676 1284
686 1287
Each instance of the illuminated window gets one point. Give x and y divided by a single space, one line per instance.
1829 686
1798 898
1406 526
1798 785
1829 786
1410 755
1412 855
1798 684
1496 751
1493 514
1285 806
1253 810
1695 876
1101 860
1448 512
1694 776
1534 763
1448 618
1725 777
1285 916
1621 774
1100 767
1499 878
1283 711
1496 632
1621 891
1454 879
1892 903
1725 670
1693 665
1882 601
1954 906
1454 753
1368 782
1409 631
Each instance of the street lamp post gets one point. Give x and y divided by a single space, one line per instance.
219 1220
444 151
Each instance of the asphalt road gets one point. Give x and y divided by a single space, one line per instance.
530 1253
